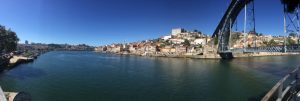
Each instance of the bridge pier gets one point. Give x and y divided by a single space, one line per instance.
226 55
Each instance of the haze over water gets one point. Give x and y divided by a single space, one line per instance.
90 76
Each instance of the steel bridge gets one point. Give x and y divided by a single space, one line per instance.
223 30
277 48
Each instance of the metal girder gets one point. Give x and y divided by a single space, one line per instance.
277 48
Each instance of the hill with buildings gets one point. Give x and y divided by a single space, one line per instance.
184 43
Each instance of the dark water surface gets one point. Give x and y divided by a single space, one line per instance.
89 76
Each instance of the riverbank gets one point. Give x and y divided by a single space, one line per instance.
212 55
261 54
16 60
13 59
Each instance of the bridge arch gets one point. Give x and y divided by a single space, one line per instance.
222 31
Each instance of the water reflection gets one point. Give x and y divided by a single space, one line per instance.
25 72
98 77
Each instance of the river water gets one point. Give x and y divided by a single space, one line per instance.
90 76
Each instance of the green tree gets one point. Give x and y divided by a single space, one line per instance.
12 41
290 41
186 42
199 46
54 46
272 43
292 34
265 42
8 40
216 40
162 46
234 38
168 42
2 38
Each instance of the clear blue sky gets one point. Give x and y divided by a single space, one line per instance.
99 22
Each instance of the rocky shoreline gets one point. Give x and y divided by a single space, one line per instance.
11 60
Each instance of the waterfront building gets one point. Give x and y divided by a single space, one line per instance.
116 48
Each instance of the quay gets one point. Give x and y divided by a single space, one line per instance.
208 52
214 55
15 60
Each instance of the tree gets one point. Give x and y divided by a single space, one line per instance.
292 34
216 40
168 42
162 46
8 40
186 42
2 38
199 46
54 46
26 42
290 41
12 41
265 42
234 38
272 43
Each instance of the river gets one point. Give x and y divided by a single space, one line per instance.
90 76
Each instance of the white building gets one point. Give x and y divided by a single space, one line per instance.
267 38
176 41
116 49
167 37
177 31
151 49
132 49
201 41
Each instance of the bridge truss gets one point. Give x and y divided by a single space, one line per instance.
224 29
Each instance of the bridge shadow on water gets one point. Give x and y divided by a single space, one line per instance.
275 65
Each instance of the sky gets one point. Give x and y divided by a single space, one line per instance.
100 22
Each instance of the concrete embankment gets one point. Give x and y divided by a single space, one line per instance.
16 60
209 53
242 54
260 54
206 56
